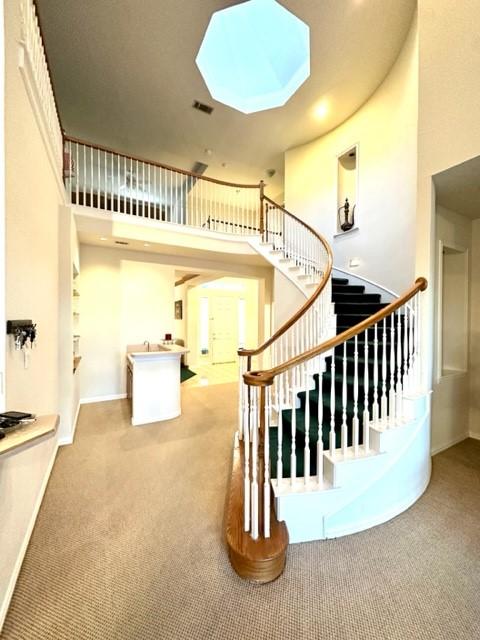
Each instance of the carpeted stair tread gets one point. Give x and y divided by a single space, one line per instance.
352 305
341 296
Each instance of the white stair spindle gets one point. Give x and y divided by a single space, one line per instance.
355 420
411 348
383 402
332 406
375 410
405 349
391 396
366 412
254 483
246 472
320 425
280 429
293 455
77 176
306 452
399 391
344 432
266 449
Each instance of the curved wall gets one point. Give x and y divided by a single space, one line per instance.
385 129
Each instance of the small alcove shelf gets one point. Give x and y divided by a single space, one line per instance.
452 310
347 190
75 316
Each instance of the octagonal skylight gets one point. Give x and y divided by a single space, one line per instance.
254 55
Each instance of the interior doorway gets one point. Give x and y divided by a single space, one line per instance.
223 314
224 329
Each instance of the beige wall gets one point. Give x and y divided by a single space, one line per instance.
126 297
474 426
450 401
32 200
448 122
32 214
386 130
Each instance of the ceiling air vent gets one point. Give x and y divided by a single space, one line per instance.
202 107
120 242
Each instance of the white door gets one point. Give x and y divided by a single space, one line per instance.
224 329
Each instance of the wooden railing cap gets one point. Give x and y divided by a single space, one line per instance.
265 378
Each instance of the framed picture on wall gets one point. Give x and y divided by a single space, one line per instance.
178 310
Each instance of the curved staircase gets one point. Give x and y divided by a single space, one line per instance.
345 360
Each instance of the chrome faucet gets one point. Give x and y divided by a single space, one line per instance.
147 344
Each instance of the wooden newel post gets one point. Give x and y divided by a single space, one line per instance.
262 219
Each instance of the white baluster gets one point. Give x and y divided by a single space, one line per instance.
411 349
405 349
366 413
344 433
332 406
246 450
391 397
355 421
418 328
91 176
306 452
293 455
266 484
254 484
384 403
375 410
399 392
280 430
320 425
77 174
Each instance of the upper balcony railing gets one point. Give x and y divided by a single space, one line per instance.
34 51
99 177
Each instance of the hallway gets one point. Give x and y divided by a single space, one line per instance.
128 546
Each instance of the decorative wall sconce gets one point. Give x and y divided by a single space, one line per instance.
346 221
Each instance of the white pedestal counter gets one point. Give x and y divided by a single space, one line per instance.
153 383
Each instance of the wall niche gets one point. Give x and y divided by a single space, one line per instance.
347 190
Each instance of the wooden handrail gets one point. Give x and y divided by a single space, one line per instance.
265 378
185 172
304 308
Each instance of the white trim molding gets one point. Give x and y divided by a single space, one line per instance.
115 396
26 71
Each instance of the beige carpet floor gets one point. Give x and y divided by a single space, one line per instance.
128 546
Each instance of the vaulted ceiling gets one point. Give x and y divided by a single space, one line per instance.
125 76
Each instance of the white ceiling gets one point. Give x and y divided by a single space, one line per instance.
458 188
125 76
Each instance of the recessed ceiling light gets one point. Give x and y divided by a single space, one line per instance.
321 110
146 244
103 239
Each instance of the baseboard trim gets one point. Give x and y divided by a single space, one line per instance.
475 436
117 396
451 443
18 564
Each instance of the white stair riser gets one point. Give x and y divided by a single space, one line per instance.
368 490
